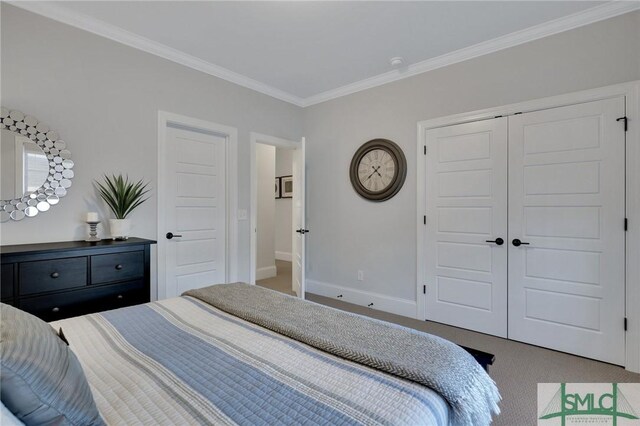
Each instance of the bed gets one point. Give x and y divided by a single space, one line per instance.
239 357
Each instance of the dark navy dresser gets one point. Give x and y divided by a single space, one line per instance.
65 279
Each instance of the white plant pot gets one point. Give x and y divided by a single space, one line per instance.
120 228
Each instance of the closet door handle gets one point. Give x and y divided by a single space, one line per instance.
497 241
516 242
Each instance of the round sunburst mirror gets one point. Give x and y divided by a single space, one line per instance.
36 166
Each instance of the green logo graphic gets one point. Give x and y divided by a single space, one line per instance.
612 404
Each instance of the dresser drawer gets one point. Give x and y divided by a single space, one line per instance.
107 268
85 301
50 275
6 281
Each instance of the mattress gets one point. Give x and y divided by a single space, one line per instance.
181 361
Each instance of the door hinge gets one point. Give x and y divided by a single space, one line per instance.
626 122
424 289
424 219
425 150
625 323
626 224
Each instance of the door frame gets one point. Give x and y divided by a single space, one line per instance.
256 138
631 92
231 191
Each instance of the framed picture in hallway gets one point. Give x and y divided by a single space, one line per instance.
286 187
278 194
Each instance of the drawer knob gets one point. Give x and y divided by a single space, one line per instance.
55 275
56 309
120 296
118 267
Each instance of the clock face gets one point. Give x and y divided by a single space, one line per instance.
378 170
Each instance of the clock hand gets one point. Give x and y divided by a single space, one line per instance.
369 177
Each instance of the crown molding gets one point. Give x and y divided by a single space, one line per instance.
62 14
566 23
59 13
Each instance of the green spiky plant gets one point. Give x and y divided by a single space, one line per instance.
121 195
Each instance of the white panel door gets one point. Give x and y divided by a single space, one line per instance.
195 210
298 221
466 195
567 203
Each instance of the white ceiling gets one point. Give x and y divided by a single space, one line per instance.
306 52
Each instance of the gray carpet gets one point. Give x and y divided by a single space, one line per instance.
282 281
518 366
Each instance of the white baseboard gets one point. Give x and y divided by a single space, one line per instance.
266 272
283 255
381 302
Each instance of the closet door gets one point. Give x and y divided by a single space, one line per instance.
566 207
466 193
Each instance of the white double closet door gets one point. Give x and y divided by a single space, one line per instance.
551 185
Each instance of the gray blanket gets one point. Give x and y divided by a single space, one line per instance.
423 358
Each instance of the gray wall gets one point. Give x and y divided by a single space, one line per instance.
266 212
349 233
284 228
103 98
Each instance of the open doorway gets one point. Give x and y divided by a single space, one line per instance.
273 234
277 212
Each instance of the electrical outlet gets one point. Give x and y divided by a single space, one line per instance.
360 275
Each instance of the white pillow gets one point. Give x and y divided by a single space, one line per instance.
7 418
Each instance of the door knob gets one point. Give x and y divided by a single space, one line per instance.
497 241
516 242
302 231
170 235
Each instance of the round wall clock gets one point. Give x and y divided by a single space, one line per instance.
378 170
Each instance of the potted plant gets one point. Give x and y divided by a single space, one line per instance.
122 197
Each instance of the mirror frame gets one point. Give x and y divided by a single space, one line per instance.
60 166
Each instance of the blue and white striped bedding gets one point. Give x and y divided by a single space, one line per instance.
182 361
